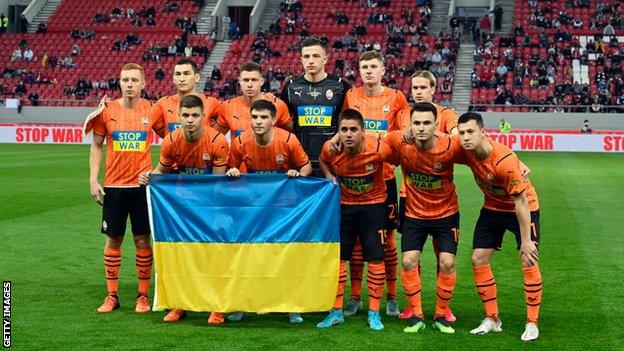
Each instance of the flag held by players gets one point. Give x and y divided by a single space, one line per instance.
262 243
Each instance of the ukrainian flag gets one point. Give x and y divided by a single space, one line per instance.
261 243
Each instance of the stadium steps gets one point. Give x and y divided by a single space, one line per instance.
270 14
439 16
43 15
462 87
204 20
214 60
507 23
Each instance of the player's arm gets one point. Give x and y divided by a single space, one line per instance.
235 159
220 155
284 97
158 119
160 169
284 118
528 250
324 163
95 159
301 161
393 140
525 171
222 122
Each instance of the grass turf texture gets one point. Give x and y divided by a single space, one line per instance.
51 250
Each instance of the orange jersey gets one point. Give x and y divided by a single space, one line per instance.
380 112
499 178
211 150
237 115
428 175
283 153
167 112
127 142
360 176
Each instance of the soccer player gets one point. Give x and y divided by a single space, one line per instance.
314 100
268 150
359 169
124 125
380 106
432 208
236 116
423 87
166 109
510 204
195 149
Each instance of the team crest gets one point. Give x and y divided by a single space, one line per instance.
490 177
144 120
206 158
279 158
104 226
386 109
370 168
329 94
437 166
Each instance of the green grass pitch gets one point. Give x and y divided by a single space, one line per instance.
51 249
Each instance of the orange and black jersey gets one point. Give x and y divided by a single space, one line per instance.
360 175
127 132
428 175
200 157
500 179
237 115
283 153
166 111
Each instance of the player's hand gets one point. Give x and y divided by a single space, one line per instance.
529 252
525 171
293 173
96 191
408 136
269 96
333 179
144 178
233 173
335 146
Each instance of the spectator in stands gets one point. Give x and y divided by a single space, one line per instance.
28 54
34 98
485 24
23 24
216 74
498 17
160 74
150 22
42 28
75 49
129 12
171 7
68 62
209 87
136 22
577 23
192 27
17 55
232 30
586 129
20 89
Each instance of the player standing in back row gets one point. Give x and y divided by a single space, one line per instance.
315 100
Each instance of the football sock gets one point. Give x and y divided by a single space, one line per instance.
412 288
486 288
342 281
391 261
356 268
532 291
444 292
375 280
144 269
112 263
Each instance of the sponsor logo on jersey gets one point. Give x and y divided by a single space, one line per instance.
424 181
376 125
129 141
238 132
490 188
314 93
357 185
315 116
195 170
173 126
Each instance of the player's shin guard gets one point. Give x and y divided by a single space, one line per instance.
532 292
356 270
342 281
144 269
375 280
391 262
444 291
412 288
486 288
112 263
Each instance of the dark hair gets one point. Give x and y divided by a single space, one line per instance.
264 105
313 41
425 107
471 116
351 114
190 101
186 61
372 54
251 66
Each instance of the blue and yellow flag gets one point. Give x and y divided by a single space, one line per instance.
261 243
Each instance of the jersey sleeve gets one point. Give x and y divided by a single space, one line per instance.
283 114
166 152
401 105
511 178
286 100
299 156
326 154
222 119
457 151
213 112
220 150
235 157
157 118
450 120
386 152
98 123
347 100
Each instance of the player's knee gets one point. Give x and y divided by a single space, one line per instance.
410 263
114 241
479 259
447 264
142 241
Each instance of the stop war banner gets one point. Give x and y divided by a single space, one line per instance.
34 133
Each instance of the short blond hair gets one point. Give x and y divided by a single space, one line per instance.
133 66
427 75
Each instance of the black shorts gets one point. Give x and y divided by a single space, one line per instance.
445 233
366 222
121 202
401 215
391 204
491 227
